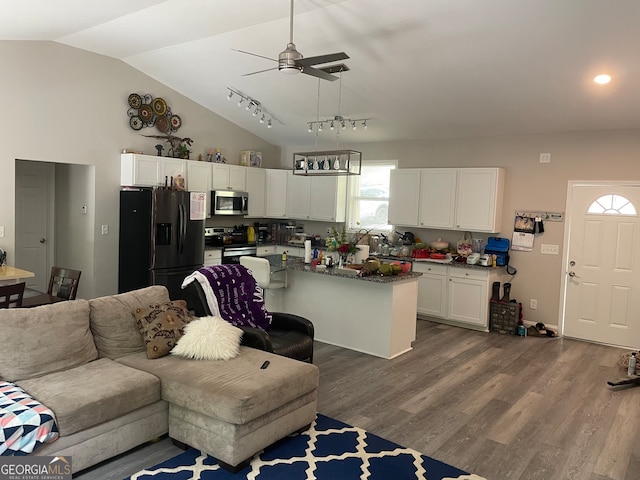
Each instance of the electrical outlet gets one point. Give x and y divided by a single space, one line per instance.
533 304
547 249
2 231
328 231
545 158
105 229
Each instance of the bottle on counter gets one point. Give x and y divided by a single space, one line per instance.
633 361
284 256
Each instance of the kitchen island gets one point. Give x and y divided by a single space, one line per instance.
373 314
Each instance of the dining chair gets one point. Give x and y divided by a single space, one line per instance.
11 295
63 284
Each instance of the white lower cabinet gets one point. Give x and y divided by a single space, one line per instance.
212 256
455 294
432 289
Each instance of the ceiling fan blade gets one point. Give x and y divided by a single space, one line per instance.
255 54
260 71
319 59
314 72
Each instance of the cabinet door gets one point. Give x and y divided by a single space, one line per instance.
298 196
327 199
404 196
437 197
467 301
140 170
219 176
199 180
479 199
432 290
174 167
256 187
276 193
237 177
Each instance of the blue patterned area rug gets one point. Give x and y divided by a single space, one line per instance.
329 450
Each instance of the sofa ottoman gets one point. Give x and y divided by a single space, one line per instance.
232 409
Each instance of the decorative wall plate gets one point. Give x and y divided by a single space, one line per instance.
176 121
162 124
134 100
145 113
136 122
159 106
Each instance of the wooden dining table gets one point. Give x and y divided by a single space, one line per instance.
9 275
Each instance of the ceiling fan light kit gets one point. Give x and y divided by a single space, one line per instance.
291 61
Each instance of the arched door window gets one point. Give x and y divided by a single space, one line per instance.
612 204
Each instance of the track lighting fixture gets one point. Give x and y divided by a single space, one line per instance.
253 106
318 125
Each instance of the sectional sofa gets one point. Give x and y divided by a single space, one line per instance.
86 360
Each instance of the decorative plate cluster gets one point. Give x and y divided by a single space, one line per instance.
146 111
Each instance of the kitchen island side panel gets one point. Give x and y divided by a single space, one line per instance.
374 318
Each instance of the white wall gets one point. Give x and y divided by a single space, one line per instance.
68 106
529 185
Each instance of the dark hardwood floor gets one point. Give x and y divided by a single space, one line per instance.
505 408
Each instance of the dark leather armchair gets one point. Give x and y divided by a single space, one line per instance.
289 335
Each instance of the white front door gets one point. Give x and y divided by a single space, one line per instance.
33 211
602 276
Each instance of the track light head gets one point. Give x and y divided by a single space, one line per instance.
230 95
269 124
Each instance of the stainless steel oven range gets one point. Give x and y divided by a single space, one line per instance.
233 241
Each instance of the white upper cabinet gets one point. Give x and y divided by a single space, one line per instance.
437 197
228 177
276 193
448 198
479 199
256 188
199 180
150 171
298 199
321 198
404 196
328 199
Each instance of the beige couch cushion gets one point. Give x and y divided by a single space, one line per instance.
237 390
38 341
93 393
113 324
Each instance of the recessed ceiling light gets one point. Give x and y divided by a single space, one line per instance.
602 79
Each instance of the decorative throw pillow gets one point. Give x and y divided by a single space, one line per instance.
209 338
162 325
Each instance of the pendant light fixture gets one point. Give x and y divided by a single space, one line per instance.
328 162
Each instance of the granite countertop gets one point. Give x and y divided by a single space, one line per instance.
294 263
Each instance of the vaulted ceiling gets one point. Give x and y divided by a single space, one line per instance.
417 68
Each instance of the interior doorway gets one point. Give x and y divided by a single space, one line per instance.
34 213
601 285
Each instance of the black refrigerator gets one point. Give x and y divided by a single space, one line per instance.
159 242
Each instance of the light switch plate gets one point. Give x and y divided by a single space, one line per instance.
2 231
547 249
105 229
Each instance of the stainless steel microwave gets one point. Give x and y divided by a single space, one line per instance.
229 202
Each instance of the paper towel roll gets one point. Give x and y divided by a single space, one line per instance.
362 253
307 251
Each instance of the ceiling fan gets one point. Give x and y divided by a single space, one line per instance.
292 61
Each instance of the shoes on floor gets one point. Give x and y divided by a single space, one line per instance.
539 330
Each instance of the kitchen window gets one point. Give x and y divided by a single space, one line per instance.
369 197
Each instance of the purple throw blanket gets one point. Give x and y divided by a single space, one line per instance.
233 294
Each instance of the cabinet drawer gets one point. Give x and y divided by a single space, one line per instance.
472 274
212 254
433 268
262 251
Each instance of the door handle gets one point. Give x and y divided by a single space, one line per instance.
43 240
